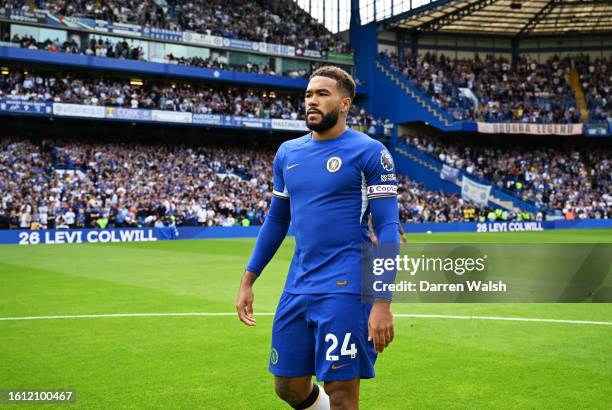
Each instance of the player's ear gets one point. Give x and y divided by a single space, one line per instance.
346 104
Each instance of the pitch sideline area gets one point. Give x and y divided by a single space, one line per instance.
233 314
505 358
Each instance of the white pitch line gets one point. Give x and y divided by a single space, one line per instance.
128 315
511 319
412 315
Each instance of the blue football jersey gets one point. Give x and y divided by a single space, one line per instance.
329 184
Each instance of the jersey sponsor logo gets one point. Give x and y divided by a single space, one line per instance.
386 160
334 164
291 166
387 177
274 356
381 190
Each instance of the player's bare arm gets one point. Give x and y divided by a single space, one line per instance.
244 301
402 233
380 325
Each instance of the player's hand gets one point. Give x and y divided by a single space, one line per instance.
404 238
380 325
374 239
244 301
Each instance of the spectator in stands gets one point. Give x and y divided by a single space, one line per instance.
203 99
491 89
556 178
271 21
122 49
596 81
122 185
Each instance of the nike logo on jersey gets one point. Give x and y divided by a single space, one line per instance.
291 166
336 367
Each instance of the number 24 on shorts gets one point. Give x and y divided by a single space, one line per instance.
344 351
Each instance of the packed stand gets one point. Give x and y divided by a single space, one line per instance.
123 185
123 50
172 97
418 204
254 68
216 64
596 82
360 120
62 184
269 21
202 99
573 181
531 92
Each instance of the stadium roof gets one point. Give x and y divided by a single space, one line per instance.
508 17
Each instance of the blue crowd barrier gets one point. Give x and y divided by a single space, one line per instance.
66 236
506 226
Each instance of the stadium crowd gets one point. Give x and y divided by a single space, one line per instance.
216 64
126 185
418 204
596 81
203 99
172 97
254 68
530 92
574 181
97 47
59 184
124 50
269 21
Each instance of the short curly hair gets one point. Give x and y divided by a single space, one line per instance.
343 79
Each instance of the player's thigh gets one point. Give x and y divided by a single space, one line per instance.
293 342
343 352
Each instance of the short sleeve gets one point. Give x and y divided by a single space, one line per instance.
379 172
279 190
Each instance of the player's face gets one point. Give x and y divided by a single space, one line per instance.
323 104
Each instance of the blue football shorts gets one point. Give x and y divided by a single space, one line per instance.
322 335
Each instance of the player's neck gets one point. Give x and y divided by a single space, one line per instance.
333 132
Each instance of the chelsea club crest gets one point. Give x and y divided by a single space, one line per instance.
334 164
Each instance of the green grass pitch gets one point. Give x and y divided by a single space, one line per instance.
209 362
